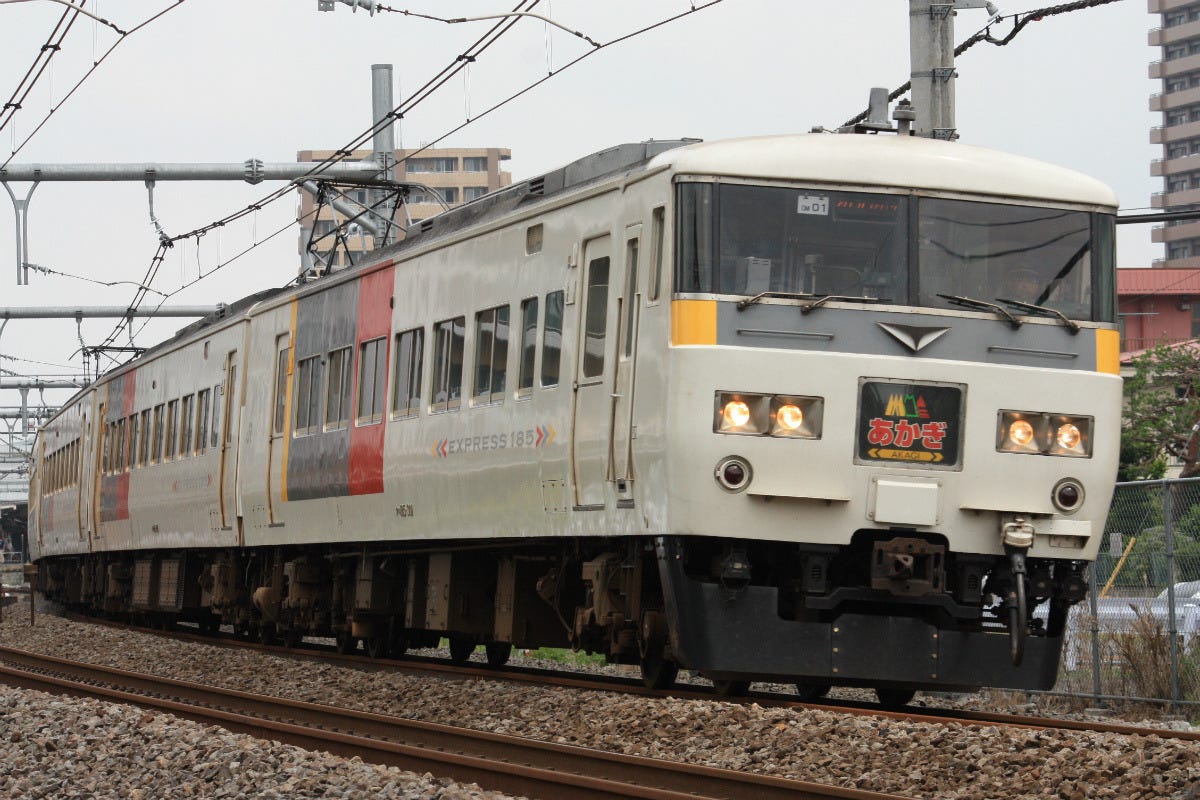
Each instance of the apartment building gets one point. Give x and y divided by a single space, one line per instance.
1178 67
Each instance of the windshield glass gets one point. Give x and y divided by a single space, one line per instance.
796 241
744 240
994 252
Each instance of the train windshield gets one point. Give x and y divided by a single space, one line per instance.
746 240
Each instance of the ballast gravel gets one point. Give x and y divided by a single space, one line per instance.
58 747
916 759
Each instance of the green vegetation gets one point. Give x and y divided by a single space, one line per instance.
566 656
1162 403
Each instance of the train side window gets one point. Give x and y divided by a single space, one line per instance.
631 292
595 318
144 447
552 339
105 444
308 397
119 466
533 239
159 428
657 231
172 432
135 433
491 354
203 401
446 388
529 324
186 428
216 415
232 384
281 376
337 389
406 386
372 381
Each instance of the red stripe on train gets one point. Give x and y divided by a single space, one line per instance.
374 320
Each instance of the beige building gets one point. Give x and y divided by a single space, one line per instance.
440 178
1178 67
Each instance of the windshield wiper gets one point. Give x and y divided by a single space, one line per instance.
807 307
818 300
1044 311
749 301
981 305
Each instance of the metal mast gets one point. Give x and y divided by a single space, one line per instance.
931 48
384 145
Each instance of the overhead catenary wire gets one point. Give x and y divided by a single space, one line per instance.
95 66
1021 19
396 113
46 53
78 8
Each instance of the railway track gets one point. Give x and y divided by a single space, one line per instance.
581 680
495 761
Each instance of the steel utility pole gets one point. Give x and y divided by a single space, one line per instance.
384 142
931 51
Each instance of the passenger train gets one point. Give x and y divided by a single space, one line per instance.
825 409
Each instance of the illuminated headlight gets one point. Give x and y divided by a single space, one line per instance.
774 415
798 417
1044 433
1072 436
741 413
1019 432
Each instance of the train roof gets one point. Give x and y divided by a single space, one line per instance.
866 159
889 160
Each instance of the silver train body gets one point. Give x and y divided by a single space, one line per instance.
764 408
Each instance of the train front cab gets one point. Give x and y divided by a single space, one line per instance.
884 470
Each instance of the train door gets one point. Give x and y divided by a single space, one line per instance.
277 432
99 461
80 472
34 510
620 455
592 423
228 470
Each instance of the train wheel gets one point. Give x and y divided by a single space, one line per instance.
731 688
460 649
808 692
658 672
345 643
377 646
894 698
498 653
267 634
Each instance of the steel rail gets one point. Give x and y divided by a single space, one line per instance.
496 761
582 680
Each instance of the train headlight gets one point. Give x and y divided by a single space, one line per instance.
1018 432
1072 436
785 416
1044 433
797 417
740 413
735 414
789 417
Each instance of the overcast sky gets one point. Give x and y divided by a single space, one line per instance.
223 81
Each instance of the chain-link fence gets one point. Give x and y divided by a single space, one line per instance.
1137 636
